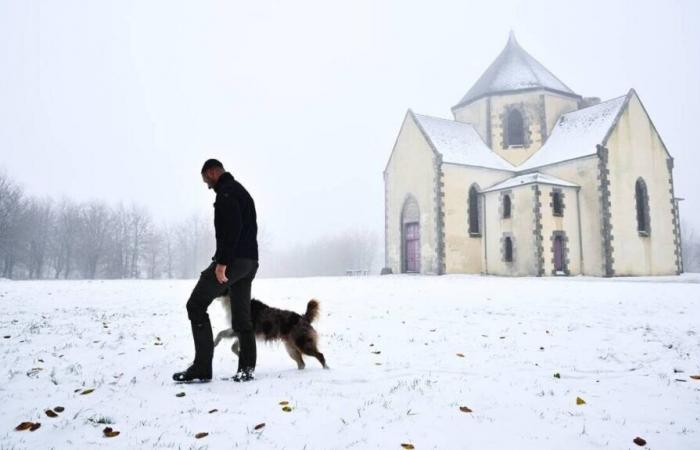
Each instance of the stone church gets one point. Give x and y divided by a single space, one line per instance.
531 179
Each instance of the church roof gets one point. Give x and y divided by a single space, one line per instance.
513 70
459 143
529 178
577 133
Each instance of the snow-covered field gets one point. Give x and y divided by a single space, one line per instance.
406 352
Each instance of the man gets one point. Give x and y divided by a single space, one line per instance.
233 269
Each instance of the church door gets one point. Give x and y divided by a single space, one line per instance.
412 246
558 254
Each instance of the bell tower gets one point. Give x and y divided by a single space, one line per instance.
515 103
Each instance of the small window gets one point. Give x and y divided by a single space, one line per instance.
515 132
474 228
506 206
642 199
557 204
508 249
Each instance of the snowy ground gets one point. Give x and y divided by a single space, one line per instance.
628 347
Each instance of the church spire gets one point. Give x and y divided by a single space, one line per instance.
514 70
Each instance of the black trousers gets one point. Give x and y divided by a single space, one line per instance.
240 274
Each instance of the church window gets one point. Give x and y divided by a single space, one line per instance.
642 201
515 133
508 249
506 206
557 204
474 225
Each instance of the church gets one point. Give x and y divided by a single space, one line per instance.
531 179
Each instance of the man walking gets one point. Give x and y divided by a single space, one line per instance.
233 269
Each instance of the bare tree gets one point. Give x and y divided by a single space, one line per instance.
38 221
691 248
93 236
11 209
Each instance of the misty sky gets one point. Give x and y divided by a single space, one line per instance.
302 101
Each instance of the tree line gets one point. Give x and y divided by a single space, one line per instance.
42 238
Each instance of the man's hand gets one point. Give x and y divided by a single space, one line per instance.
221 273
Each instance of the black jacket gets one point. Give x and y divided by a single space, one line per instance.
235 221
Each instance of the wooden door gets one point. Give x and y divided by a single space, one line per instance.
412 246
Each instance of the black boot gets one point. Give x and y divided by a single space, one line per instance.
203 354
247 357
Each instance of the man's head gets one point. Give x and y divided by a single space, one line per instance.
211 171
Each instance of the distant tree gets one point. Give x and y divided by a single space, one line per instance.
691 248
38 222
12 205
93 234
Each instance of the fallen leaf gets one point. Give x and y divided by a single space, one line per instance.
557 375
259 426
87 391
461 355
695 377
35 426
201 435
284 402
180 394
639 441
109 432
50 413
59 409
287 409
465 409
407 446
213 411
24 426
580 401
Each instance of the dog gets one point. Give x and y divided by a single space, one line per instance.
273 324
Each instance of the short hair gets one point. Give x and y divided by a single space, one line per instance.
210 163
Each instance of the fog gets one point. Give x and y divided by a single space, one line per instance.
122 101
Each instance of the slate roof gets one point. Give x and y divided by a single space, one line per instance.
459 143
514 69
577 133
529 178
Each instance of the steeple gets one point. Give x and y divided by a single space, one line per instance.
514 70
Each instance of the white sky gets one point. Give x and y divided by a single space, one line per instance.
302 101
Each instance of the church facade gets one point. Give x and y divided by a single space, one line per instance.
531 179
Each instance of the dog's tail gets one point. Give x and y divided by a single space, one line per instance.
311 313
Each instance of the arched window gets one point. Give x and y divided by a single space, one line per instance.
506 206
515 132
641 196
474 228
508 249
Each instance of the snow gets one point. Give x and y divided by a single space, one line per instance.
529 178
459 143
626 346
514 69
577 133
